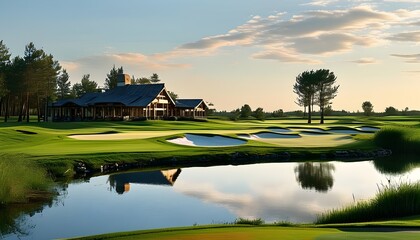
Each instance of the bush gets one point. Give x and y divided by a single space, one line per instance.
399 139
257 221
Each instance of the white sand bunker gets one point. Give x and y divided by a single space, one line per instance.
207 141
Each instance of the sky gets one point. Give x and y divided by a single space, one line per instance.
232 53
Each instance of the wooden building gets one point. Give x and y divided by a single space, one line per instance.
191 108
127 102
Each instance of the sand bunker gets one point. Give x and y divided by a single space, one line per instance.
368 129
207 141
344 131
247 136
280 130
314 130
275 135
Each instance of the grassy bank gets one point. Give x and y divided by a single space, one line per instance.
398 229
52 145
391 202
400 139
21 180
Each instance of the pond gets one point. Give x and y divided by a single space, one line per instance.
293 192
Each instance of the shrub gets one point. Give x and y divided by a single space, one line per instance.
257 221
399 139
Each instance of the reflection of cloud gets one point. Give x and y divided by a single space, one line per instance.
365 61
410 58
269 204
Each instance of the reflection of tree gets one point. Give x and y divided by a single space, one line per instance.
316 176
399 164
14 217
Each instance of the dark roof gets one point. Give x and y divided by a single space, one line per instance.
188 103
82 101
158 177
128 95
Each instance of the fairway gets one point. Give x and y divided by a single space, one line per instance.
263 233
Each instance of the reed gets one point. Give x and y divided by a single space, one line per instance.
392 201
21 179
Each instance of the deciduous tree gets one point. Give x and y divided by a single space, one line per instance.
246 111
259 114
367 108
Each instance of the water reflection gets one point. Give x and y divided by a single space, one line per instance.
396 164
202 195
312 175
14 219
121 182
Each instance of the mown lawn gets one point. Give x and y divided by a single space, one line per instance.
52 145
407 228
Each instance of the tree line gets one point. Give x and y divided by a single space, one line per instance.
30 83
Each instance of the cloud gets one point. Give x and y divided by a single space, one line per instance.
306 37
283 57
322 3
330 43
137 60
70 66
317 33
409 58
365 61
404 1
406 37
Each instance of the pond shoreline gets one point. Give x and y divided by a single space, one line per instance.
83 169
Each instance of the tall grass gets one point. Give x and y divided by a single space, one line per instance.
401 140
391 202
21 179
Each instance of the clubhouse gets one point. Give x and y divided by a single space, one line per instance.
128 102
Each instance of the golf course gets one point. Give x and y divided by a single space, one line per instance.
52 153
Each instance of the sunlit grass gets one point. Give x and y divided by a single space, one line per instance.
20 179
402 140
392 201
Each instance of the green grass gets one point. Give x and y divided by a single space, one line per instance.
21 180
392 201
52 146
400 139
395 229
